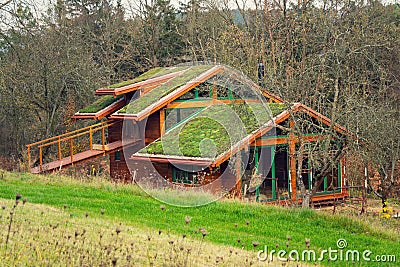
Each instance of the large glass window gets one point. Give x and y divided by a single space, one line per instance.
176 115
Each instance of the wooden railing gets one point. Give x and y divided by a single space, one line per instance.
68 137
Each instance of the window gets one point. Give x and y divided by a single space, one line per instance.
117 155
184 177
174 116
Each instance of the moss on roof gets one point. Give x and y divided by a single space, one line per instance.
213 130
165 71
147 75
152 73
164 89
100 104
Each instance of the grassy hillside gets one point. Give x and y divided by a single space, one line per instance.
225 224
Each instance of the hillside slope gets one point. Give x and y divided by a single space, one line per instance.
215 229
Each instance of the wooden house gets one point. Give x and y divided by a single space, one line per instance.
205 125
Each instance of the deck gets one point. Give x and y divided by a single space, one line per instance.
97 151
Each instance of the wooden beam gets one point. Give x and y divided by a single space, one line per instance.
319 117
292 163
162 122
343 172
71 150
59 148
40 159
90 139
285 140
271 141
29 157
206 103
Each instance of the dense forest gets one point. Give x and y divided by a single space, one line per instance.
339 57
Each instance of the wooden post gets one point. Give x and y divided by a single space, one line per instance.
29 157
71 150
292 163
59 148
162 121
273 174
90 139
364 189
102 138
40 159
343 176
214 93
238 176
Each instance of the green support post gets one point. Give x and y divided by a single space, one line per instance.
273 173
256 158
325 183
339 174
173 174
230 94
257 193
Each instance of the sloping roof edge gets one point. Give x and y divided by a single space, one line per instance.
136 86
101 113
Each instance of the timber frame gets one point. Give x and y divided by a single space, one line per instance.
137 134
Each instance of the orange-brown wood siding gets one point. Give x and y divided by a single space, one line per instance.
152 130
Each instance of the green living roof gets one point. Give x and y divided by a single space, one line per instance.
104 101
213 130
99 104
139 104
152 73
147 75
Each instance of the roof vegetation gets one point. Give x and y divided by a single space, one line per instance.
213 130
100 104
164 89
152 73
165 71
147 75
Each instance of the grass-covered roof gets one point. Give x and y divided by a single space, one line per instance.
152 73
100 103
147 75
213 130
164 89
104 101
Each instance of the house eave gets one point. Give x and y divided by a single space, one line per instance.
172 159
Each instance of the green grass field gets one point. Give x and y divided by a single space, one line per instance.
228 225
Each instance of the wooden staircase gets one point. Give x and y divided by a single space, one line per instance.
65 145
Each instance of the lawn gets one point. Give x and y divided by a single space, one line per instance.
227 223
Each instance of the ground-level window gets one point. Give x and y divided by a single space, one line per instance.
117 155
184 177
